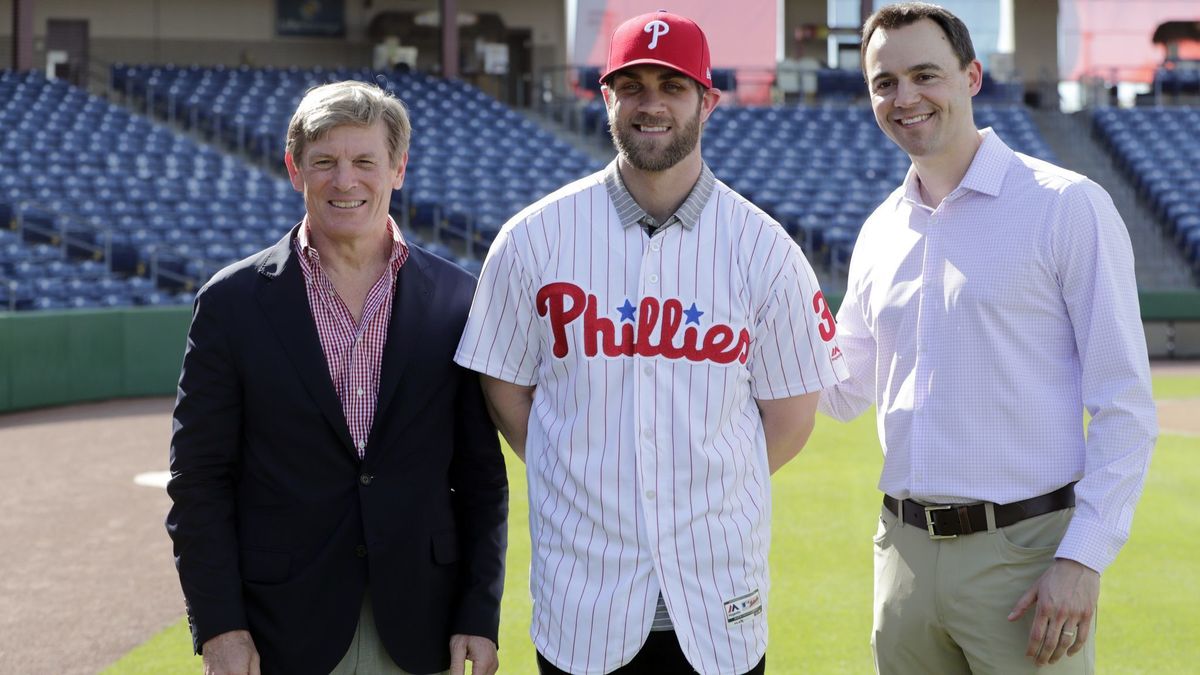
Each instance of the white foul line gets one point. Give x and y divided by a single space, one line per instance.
156 479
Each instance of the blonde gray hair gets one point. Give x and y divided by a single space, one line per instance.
328 106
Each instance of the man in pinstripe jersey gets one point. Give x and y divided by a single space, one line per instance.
652 344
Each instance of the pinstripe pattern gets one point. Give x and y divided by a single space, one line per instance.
353 352
647 469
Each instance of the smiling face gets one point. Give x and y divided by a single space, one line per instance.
655 114
920 94
347 181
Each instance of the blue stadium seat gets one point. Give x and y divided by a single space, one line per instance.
1157 150
831 167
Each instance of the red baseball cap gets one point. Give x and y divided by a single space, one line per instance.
662 39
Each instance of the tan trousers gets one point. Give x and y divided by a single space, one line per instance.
367 655
941 606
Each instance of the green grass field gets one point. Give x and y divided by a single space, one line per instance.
824 515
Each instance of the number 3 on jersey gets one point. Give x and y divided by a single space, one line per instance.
827 328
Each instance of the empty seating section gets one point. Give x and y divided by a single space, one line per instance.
40 276
473 161
838 84
1158 149
1178 80
100 206
90 180
820 171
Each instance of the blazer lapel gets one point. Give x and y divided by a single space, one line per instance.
412 299
284 300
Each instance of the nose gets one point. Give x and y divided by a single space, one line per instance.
651 101
343 176
907 94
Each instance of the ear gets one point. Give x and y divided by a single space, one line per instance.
975 76
708 103
293 172
608 95
398 177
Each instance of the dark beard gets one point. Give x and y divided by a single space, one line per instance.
644 157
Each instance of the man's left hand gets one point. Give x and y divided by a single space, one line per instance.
480 651
1066 597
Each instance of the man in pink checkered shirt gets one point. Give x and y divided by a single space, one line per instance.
340 499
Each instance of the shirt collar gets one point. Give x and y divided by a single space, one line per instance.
985 175
631 214
399 245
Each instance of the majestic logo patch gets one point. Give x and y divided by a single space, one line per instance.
743 607
656 29
565 303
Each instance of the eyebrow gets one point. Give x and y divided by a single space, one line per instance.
914 69
663 76
317 154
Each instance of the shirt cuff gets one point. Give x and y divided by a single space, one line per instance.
1090 543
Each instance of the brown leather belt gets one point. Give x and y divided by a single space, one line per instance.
945 521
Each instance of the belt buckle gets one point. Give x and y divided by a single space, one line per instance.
929 521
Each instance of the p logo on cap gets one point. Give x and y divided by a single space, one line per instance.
656 28
644 40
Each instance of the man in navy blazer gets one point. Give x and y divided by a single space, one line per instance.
340 499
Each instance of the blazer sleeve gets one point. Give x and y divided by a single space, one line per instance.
480 498
205 451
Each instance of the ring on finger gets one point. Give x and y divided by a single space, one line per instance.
1068 634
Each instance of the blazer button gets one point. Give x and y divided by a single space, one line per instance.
360 551
366 479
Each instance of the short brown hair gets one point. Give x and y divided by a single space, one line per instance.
328 106
908 13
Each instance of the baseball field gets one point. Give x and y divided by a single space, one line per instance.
78 595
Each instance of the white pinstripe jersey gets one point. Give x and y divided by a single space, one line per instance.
646 459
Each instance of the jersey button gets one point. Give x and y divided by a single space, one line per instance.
650 494
360 551
655 245
653 278
648 433
366 479
649 371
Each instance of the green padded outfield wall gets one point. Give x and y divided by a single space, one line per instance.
54 358
1178 306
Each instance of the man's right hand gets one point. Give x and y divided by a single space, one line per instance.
231 653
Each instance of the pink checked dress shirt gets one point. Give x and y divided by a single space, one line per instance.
353 351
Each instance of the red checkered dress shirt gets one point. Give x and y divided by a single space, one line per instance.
354 352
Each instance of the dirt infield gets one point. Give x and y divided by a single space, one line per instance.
86 571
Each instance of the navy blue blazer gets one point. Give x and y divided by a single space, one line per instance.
278 528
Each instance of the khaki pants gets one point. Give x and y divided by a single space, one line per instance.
941 606
367 655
